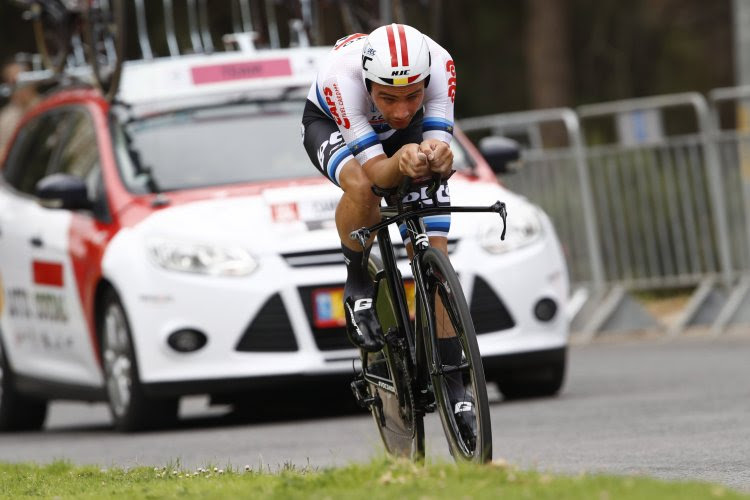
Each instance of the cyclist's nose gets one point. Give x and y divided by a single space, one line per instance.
401 112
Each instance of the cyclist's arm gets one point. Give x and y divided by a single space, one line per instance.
387 172
438 119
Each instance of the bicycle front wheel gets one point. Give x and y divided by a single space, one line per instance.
105 43
466 423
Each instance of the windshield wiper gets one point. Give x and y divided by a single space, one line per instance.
140 168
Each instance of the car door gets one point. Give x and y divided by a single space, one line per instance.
64 260
60 345
28 161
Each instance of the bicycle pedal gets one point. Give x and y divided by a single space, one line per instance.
359 388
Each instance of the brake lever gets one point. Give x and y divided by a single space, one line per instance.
403 188
433 188
499 207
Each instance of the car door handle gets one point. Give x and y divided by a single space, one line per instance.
36 241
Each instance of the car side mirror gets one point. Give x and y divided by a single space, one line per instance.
63 191
499 152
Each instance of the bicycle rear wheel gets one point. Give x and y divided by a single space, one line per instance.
105 43
388 378
449 312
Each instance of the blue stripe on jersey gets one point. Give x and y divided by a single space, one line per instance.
322 102
402 230
433 123
433 224
441 223
334 162
363 143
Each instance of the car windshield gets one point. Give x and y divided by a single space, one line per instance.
230 144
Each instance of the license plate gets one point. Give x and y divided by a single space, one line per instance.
328 305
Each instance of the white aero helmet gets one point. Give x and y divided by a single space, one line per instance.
395 54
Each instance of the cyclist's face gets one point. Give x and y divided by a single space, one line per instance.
398 104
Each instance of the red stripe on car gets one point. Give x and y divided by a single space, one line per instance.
404 51
48 273
392 46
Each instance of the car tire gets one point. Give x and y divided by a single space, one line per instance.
532 382
17 411
131 409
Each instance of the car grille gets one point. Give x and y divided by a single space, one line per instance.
487 310
270 330
327 339
332 256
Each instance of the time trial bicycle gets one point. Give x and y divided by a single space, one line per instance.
407 378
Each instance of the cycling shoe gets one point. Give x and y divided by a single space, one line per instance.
464 412
362 325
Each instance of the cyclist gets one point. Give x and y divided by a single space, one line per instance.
382 108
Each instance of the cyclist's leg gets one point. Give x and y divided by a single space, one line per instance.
358 207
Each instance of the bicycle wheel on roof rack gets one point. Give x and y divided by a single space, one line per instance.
104 32
53 28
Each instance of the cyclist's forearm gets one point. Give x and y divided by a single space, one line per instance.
384 172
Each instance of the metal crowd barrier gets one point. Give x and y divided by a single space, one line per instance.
557 179
647 194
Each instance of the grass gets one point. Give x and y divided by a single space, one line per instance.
386 479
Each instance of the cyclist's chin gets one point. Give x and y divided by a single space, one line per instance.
399 124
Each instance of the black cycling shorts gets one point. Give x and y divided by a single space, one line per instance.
328 152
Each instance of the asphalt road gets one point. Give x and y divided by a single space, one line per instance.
677 409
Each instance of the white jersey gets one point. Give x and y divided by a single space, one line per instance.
340 92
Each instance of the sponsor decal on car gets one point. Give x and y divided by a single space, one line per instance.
240 71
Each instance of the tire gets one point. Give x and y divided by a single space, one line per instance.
104 32
441 281
400 425
53 29
18 412
130 408
532 382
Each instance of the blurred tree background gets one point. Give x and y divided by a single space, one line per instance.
510 55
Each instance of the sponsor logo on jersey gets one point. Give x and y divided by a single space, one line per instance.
332 106
450 67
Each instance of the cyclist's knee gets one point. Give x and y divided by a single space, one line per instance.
357 185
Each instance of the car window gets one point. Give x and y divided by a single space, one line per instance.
248 142
79 154
32 153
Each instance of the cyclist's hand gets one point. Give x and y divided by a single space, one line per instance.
412 162
439 155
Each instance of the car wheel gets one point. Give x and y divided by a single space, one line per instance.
532 382
131 409
18 412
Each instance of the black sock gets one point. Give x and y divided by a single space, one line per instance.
358 283
450 354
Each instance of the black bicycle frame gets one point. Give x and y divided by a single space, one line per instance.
420 243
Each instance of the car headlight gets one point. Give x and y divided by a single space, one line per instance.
524 228
201 258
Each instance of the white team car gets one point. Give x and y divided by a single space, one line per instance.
182 243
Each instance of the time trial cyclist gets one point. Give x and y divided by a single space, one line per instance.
382 108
